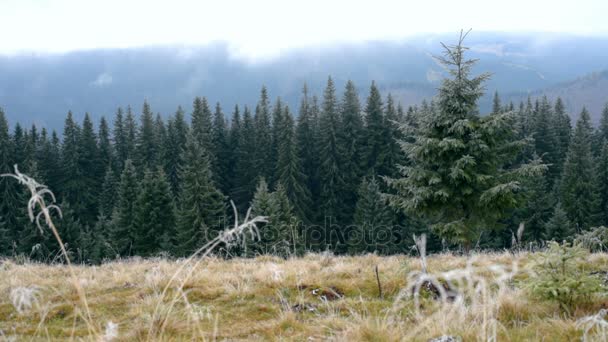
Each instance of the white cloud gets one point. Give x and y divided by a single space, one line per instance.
265 28
104 79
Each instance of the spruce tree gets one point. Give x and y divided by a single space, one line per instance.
120 140
374 130
330 175
147 148
177 131
234 140
457 180
563 130
350 138
276 136
107 196
391 154
263 137
578 193
221 150
559 227
307 137
246 172
91 173
201 207
105 148
545 139
202 126
10 221
121 237
289 167
496 106
373 224
154 214
601 184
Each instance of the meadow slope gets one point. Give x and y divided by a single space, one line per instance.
311 298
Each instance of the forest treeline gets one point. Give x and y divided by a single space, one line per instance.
140 184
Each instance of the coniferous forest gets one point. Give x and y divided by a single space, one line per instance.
338 173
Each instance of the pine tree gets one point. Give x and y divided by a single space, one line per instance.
373 221
154 214
350 138
461 188
261 205
577 189
201 205
289 166
559 227
122 234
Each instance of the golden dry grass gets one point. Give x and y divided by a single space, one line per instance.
269 298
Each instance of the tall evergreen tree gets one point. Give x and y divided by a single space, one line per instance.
201 205
289 167
563 130
246 171
545 139
457 180
234 141
307 137
601 184
91 174
577 189
202 126
330 175
559 227
154 214
276 136
263 137
121 237
147 149
391 153
177 131
373 221
220 149
496 106
375 132
105 148
350 138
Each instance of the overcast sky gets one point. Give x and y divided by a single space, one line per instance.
262 28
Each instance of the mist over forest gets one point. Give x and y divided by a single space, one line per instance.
40 88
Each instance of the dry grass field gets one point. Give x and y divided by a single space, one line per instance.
312 298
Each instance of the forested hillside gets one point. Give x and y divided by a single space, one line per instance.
325 172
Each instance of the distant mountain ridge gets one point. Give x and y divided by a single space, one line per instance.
42 88
589 91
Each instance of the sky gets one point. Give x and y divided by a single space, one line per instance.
265 28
